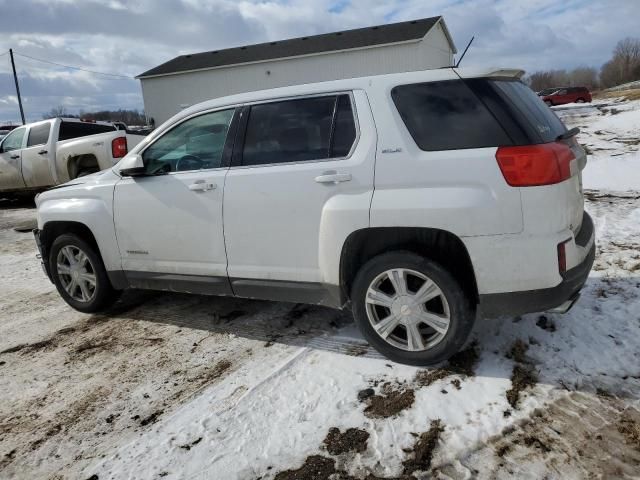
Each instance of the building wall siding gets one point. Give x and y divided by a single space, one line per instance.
164 96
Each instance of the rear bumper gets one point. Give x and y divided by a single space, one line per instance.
519 303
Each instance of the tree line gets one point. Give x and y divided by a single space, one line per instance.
130 117
623 67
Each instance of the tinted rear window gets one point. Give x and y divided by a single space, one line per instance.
446 116
69 130
344 129
530 108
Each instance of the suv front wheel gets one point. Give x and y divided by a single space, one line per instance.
411 309
79 274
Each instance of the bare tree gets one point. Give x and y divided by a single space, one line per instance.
578 77
59 111
624 66
584 77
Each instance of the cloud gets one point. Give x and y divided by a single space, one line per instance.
130 36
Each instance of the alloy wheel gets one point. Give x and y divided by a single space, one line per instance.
76 273
408 309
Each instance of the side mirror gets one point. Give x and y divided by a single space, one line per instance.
133 166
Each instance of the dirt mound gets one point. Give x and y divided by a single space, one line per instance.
315 467
462 363
518 351
352 440
423 449
391 401
522 377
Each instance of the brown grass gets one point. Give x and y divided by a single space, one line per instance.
632 94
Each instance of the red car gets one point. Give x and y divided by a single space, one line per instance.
567 95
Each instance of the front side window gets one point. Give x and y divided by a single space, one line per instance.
299 130
195 144
39 135
13 141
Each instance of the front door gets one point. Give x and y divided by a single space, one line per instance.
10 154
302 182
169 223
38 157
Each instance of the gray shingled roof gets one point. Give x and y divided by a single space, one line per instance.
328 42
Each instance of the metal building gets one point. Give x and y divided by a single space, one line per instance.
398 47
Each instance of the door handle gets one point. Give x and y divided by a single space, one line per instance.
334 177
14 157
202 186
42 152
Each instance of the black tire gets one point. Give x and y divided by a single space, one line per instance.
103 295
462 310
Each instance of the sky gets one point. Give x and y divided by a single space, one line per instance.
128 37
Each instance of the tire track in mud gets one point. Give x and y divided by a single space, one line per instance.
580 435
96 380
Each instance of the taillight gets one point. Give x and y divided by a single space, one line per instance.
119 147
562 256
533 165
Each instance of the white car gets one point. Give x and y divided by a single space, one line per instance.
421 200
51 152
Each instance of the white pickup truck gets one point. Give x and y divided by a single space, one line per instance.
52 152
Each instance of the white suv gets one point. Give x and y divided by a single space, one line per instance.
419 199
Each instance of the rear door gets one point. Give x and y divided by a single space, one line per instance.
304 172
38 156
10 154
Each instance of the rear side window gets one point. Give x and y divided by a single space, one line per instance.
447 116
70 130
344 130
38 135
528 107
299 130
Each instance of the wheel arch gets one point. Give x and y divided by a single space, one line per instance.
438 245
78 163
53 229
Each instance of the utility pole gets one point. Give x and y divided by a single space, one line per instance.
15 79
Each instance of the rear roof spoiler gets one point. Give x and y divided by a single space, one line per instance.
489 72
507 72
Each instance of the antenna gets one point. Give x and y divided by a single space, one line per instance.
465 51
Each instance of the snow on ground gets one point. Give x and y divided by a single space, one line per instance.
609 130
177 386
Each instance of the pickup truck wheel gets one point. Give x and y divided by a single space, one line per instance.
411 309
79 274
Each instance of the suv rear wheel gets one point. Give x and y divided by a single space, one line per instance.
79 274
411 309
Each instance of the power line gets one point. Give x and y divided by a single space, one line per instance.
75 68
